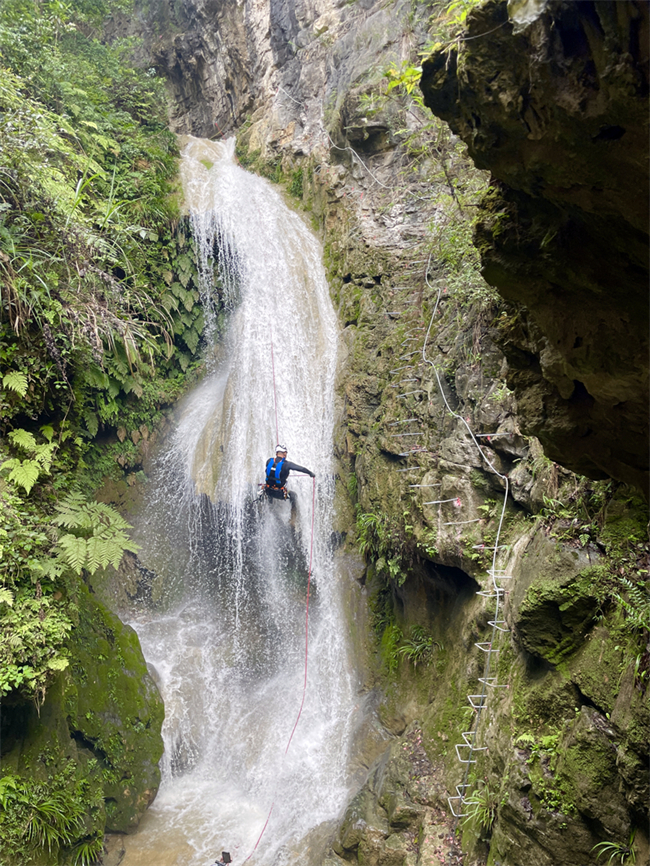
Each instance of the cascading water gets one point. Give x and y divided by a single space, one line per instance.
225 631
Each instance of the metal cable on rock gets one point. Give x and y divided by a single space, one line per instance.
485 679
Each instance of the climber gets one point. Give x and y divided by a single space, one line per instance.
277 472
225 859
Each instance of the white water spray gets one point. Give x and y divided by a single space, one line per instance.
226 635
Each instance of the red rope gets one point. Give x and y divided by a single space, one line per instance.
268 818
304 688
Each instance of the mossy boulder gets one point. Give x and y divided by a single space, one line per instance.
587 762
553 607
100 723
113 709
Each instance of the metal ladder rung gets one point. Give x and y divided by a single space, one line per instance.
495 624
486 646
460 796
466 734
480 706
492 682
463 760
499 574
453 811
492 593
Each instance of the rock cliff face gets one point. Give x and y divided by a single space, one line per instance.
558 113
300 84
286 66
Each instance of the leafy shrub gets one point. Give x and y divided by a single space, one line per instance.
481 808
36 817
387 544
418 648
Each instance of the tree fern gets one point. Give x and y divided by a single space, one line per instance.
24 439
24 473
6 596
74 551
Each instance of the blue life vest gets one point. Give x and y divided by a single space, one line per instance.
273 472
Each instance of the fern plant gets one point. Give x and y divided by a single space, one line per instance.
25 472
96 537
418 647
637 603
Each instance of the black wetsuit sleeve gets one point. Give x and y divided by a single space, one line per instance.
287 467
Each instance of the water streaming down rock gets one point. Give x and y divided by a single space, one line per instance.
227 633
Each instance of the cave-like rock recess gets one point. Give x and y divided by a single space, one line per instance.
557 110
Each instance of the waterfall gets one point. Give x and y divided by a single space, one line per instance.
224 631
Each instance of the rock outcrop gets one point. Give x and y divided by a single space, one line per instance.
307 111
557 110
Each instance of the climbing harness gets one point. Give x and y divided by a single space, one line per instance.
273 472
273 485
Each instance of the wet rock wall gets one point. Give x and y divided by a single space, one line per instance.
556 110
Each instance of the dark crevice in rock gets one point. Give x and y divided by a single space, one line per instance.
586 701
91 745
14 720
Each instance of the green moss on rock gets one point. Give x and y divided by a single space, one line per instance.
113 707
99 726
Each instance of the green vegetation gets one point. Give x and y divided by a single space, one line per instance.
617 851
99 299
418 648
39 581
36 817
387 544
389 647
100 321
481 807
98 317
